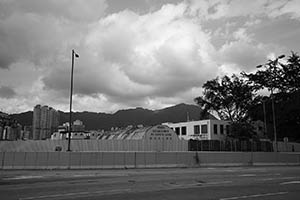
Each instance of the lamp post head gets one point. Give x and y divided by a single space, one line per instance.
74 53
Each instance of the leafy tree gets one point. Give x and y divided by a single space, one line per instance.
230 97
282 79
290 74
275 75
242 130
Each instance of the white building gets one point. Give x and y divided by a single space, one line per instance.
201 130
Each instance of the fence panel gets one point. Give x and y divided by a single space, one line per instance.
88 160
40 158
9 158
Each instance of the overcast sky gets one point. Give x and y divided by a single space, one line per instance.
134 53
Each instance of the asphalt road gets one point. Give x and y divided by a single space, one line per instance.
232 183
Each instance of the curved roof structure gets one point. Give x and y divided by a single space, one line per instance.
139 133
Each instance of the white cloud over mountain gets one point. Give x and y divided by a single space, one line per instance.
128 58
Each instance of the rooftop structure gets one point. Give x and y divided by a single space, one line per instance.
159 132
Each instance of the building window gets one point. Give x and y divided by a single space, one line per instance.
222 129
177 130
183 130
204 128
215 128
196 129
227 129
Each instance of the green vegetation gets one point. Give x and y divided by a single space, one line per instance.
236 98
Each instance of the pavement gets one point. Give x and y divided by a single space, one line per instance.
221 183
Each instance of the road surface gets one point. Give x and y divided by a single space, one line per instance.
231 183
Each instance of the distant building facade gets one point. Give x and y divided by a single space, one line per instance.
74 135
78 126
77 132
28 133
201 130
12 132
10 129
45 122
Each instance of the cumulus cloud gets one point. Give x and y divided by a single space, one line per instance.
216 9
130 57
155 58
68 9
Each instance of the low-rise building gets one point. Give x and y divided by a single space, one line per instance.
77 132
201 130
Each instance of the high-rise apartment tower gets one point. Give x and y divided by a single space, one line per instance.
45 122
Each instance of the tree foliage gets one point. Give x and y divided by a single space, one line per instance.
282 78
275 75
290 75
241 130
230 97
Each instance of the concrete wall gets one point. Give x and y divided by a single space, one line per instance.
111 160
113 145
94 145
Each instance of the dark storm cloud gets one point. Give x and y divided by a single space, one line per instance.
7 92
5 60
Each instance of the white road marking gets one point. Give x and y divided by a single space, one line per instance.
98 175
254 196
22 177
247 175
217 183
76 194
280 178
290 182
195 185
83 175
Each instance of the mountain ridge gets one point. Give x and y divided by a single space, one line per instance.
122 118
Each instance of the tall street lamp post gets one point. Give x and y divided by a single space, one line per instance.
274 119
265 117
272 68
71 94
274 64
